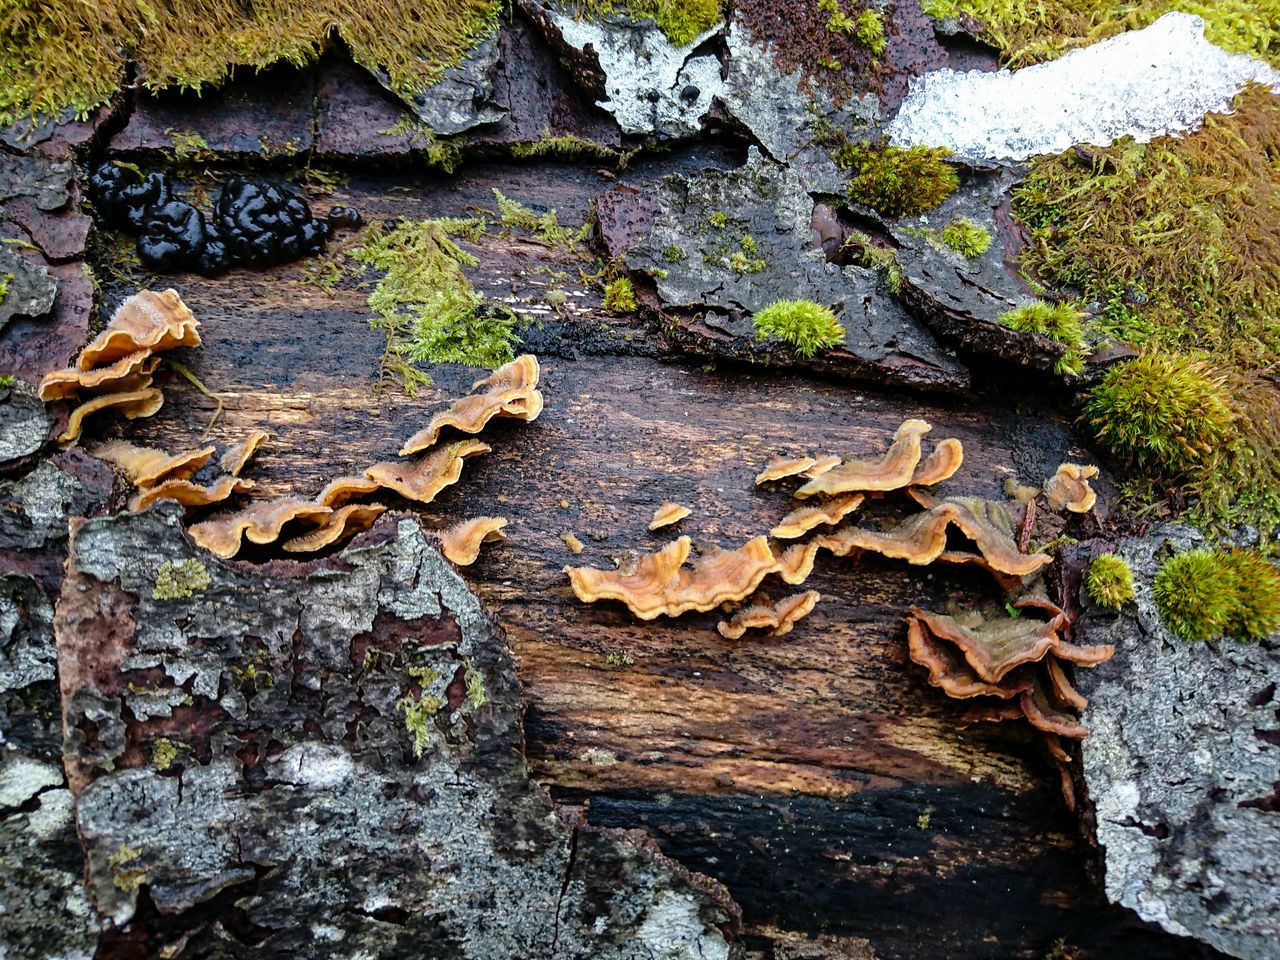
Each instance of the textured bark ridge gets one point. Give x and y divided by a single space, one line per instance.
328 757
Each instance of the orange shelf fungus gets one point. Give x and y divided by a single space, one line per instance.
990 526
234 458
942 464
949 671
147 321
655 584
260 522
890 472
777 618
1069 488
147 466
190 494
342 523
461 542
131 372
424 479
341 489
996 646
803 519
667 514
821 466
919 539
133 404
510 391
780 467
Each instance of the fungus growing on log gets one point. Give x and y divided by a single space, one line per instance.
146 321
655 585
780 467
890 472
261 523
234 458
919 539
667 514
341 489
1069 488
803 519
131 372
990 526
133 404
942 464
423 480
190 494
461 542
996 646
147 466
777 618
340 524
510 391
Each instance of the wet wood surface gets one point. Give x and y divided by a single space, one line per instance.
803 770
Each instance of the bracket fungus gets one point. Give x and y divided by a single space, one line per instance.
261 522
1069 488
131 372
461 542
919 539
425 478
133 404
147 466
667 514
990 526
147 321
656 584
342 523
803 519
889 472
234 458
341 489
190 494
778 618
510 391
780 467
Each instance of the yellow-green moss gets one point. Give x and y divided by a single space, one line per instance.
7 279
1109 581
425 304
177 581
807 326
66 54
566 147
680 20
1027 31
188 147
163 752
546 226
897 181
420 712
1057 321
1207 593
620 296
443 153
966 237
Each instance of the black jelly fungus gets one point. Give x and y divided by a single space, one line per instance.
173 236
124 195
345 218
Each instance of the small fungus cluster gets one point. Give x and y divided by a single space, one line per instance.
254 222
114 371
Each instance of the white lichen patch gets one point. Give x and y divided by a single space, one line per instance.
319 766
1143 84
21 778
672 926
652 87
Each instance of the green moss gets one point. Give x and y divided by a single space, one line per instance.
870 31
188 147
1207 593
680 20
64 54
420 712
176 581
163 752
566 147
966 237
1164 410
1057 321
672 254
424 303
620 296
1109 581
1028 31
475 687
837 20
942 9
807 326
864 253
545 226
7 279
739 262
718 220
897 181
443 153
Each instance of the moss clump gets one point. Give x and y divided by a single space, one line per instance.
1057 321
163 752
7 279
1028 31
176 581
420 712
837 20
1109 581
966 237
444 154
425 304
680 20
897 181
620 296
57 55
869 29
566 147
942 9
546 226
807 326
1163 410
1207 593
